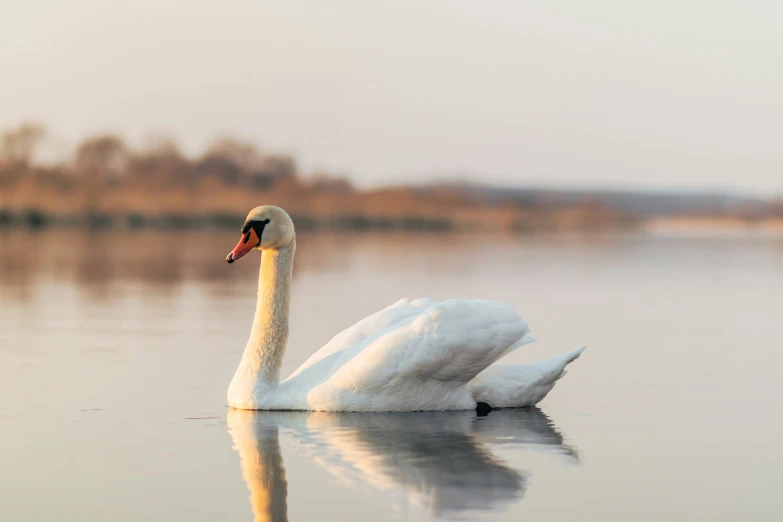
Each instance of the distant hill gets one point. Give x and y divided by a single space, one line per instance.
642 204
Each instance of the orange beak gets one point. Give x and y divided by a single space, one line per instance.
247 242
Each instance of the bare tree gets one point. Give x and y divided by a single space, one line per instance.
231 160
273 169
100 161
160 161
18 146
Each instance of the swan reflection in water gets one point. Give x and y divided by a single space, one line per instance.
441 461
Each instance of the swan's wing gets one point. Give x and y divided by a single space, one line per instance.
422 361
367 328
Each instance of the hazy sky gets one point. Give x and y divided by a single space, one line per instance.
569 93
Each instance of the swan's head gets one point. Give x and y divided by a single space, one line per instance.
266 228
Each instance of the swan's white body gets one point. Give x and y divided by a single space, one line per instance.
412 356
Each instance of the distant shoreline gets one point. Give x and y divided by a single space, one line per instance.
107 184
558 222
35 219
721 225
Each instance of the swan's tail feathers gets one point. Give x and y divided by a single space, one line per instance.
573 354
550 370
516 386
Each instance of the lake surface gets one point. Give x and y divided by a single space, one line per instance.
116 349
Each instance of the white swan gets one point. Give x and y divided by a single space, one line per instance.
411 356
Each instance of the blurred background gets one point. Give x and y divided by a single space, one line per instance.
521 117
613 170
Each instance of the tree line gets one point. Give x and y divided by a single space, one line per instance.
104 176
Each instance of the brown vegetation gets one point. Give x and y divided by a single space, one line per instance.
107 183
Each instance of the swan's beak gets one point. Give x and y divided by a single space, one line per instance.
247 242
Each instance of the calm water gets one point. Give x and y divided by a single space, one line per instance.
116 350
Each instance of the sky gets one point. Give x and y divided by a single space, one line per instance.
571 93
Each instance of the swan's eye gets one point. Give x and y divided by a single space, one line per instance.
256 226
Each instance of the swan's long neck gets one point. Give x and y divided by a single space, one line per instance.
263 354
